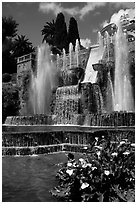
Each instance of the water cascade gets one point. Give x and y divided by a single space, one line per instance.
43 82
95 55
122 86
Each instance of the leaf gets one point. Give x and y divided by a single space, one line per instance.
101 197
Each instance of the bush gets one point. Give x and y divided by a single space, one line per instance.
10 100
106 174
6 77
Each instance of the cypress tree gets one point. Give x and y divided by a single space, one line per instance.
73 32
60 32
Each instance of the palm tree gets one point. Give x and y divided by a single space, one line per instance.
48 32
22 46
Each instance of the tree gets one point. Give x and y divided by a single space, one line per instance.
22 46
48 32
9 28
73 33
10 100
9 31
61 33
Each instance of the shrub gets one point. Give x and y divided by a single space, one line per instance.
6 77
106 174
10 100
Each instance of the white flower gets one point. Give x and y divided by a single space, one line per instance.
81 160
69 171
114 154
133 144
106 172
126 153
94 168
85 147
83 163
122 142
98 147
98 153
84 185
69 164
74 164
90 165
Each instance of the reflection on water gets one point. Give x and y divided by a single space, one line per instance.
29 179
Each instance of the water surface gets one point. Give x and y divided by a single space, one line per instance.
29 179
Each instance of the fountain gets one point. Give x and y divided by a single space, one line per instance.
123 90
74 98
43 81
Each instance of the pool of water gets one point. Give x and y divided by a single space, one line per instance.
29 178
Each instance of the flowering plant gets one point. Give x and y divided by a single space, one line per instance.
106 173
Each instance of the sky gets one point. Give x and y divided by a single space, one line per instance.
90 16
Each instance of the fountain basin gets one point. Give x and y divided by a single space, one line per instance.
114 119
43 139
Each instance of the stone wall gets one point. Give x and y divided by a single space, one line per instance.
25 65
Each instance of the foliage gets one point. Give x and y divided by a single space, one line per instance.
6 77
22 46
73 33
61 32
55 33
9 31
48 32
9 28
10 100
106 174
11 47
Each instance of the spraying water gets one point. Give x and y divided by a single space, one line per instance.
122 85
43 82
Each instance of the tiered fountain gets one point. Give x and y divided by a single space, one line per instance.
74 97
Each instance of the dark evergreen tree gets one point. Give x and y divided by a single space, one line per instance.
73 33
9 31
60 40
9 28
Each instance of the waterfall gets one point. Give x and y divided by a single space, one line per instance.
96 54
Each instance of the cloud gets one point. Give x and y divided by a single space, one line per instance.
56 7
95 30
85 42
124 5
50 7
105 23
116 16
90 6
